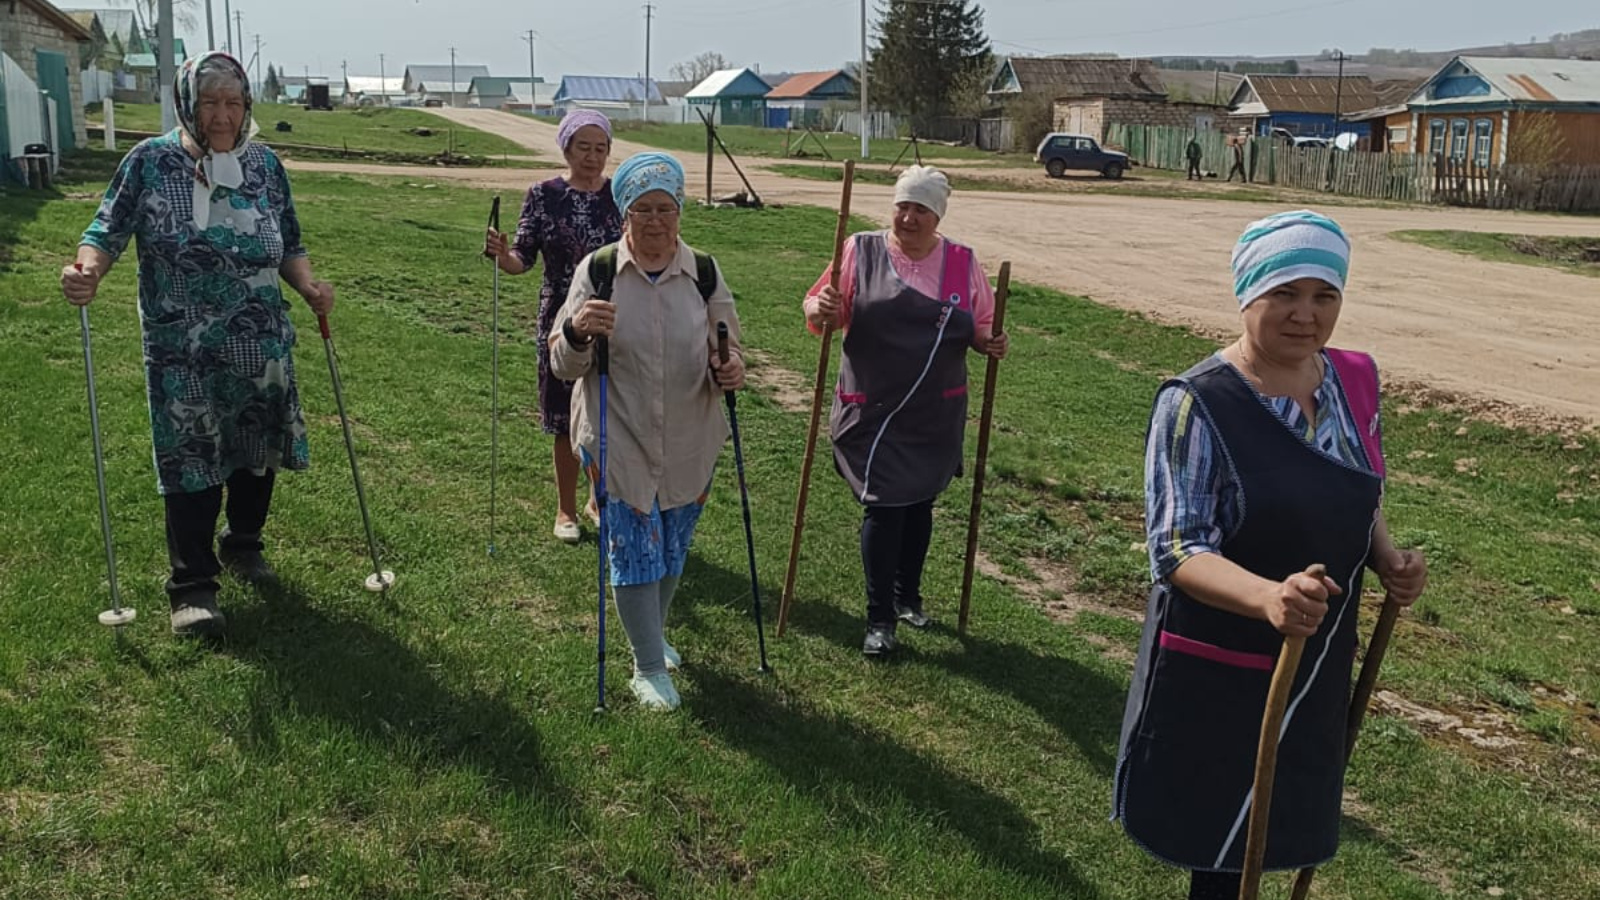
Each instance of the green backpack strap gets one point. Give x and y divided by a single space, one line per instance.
603 272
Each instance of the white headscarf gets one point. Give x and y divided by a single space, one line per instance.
925 185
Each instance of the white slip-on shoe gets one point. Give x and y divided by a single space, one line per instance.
655 691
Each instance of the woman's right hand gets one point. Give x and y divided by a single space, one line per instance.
596 318
495 244
824 307
79 283
1297 606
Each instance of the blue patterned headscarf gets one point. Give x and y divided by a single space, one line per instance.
645 172
1287 247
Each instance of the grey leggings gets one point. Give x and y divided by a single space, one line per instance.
643 610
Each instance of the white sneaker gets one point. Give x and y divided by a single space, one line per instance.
567 531
655 691
674 661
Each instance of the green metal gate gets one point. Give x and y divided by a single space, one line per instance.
55 79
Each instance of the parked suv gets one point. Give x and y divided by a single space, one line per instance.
1060 152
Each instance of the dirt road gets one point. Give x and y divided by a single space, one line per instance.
1513 334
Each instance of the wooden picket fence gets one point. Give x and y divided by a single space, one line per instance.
1552 188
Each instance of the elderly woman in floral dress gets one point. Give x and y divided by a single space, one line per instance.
216 231
565 218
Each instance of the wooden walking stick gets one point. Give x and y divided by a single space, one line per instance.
1255 847
816 405
1001 292
1365 684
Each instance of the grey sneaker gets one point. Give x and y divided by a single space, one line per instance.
912 615
248 566
880 642
198 616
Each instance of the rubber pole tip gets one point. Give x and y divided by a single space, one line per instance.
377 583
116 618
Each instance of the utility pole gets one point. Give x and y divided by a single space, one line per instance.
649 16
227 30
533 78
345 65
863 73
238 17
1338 95
452 77
165 67
211 32
383 85
260 85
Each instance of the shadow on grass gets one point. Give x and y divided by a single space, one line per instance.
348 672
853 771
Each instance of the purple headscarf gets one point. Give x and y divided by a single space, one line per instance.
578 118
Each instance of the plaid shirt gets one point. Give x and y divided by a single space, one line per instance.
1192 498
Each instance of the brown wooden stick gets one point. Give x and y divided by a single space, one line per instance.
1255 847
816 404
1359 701
1002 291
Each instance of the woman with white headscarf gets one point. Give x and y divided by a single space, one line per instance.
658 301
216 231
911 303
1282 427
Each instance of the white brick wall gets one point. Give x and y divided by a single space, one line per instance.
23 32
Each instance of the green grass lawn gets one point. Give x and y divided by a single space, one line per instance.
1572 254
383 132
439 743
744 140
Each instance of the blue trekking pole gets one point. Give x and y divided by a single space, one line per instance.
744 497
602 349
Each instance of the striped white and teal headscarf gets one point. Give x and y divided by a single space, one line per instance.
1287 247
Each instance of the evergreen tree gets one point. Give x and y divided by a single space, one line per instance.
924 51
273 89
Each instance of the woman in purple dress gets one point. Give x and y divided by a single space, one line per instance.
566 219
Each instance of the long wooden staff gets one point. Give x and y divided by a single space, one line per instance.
1001 292
1255 847
1359 701
816 405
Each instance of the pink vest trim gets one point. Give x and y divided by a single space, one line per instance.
955 287
1359 375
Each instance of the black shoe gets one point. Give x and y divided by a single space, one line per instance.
912 615
197 615
880 642
248 566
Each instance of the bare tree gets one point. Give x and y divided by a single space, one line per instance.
183 12
695 70
1536 140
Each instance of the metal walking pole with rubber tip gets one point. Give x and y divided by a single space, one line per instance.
381 579
494 376
118 615
824 354
1255 846
731 398
602 350
1359 700
1001 294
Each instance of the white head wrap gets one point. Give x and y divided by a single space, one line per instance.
925 185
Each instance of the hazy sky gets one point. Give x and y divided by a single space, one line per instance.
607 37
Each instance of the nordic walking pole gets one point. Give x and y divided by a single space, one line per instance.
602 349
118 615
816 405
381 579
1365 684
1001 293
1255 847
494 377
731 397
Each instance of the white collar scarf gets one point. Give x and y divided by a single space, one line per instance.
218 170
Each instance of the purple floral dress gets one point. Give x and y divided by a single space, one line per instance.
565 224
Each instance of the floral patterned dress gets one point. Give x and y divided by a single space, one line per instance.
217 336
565 224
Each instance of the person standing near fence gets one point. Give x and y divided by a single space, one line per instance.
1192 153
1238 161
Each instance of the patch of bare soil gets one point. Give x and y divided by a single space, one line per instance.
788 388
1052 588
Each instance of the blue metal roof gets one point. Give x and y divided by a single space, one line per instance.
578 88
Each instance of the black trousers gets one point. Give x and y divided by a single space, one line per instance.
894 545
1194 168
1214 885
192 527
1238 169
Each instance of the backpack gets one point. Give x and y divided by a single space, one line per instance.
603 272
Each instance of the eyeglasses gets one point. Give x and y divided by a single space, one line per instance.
660 215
